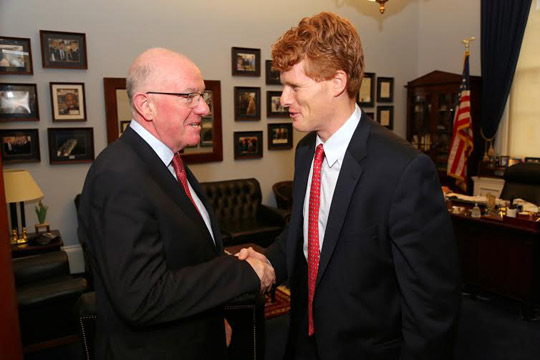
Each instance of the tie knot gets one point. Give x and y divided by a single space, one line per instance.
319 153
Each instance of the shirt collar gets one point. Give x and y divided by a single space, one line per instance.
165 154
336 145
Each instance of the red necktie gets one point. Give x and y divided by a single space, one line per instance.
313 232
180 171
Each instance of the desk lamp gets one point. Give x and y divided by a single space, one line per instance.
19 187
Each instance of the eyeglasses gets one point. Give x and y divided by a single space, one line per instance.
192 98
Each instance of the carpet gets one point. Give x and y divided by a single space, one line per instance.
281 304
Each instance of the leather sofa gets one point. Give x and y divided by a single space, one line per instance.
241 215
46 293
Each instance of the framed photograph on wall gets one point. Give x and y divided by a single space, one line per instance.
63 50
68 101
246 62
273 105
247 103
385 89
272 77
123 126
370 114
20 146
207 136
248 145
385 116
71 145
18 102
366 96
280 136
15 56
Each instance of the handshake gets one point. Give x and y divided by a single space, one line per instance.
260 265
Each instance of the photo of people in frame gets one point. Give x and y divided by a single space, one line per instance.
62 50
15 56
68 101
248 144
247 103
18 146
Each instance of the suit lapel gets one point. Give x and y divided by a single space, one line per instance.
349 175
304 156
163 177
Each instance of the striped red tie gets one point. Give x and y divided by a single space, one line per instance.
313 232
180 171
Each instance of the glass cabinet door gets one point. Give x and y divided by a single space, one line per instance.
421 108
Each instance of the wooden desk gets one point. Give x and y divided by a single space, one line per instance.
499 257
33 248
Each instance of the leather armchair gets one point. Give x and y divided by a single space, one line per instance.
522 180
245 314
46 293
283 192
242 218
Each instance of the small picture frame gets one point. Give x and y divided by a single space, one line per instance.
15 56
247 103
274 109
20 146
246 62
366 96
385 116
504 160
18 102
280 136
71 145
63 50
385 89
68 101
272 77
248 145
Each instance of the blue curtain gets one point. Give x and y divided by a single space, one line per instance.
503 24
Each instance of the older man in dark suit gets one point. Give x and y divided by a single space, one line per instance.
369 251
161 276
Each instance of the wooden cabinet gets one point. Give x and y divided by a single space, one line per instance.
431 104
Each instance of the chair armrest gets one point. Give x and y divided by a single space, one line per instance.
273 215
40 267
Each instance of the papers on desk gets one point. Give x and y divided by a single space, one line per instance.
482 200
479 199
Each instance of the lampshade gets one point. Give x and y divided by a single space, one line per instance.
20 186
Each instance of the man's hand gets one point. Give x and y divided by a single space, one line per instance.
249 252
264 271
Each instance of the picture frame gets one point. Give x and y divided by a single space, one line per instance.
385 116
68 101
504 161
248 145
371 115
20 146
366 93
247 103
273 105
272 77
18 102
71 145
246 61
385 89
63 50
15 56
280 136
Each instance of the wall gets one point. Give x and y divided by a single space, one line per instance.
400 44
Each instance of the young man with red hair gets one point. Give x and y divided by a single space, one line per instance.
369 253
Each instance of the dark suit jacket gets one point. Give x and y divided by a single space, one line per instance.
387 285
160 280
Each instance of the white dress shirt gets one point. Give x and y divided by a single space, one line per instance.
334 152
166 155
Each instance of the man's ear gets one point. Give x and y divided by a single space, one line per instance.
339 82
143 106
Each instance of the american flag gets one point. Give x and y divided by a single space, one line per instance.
462 136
